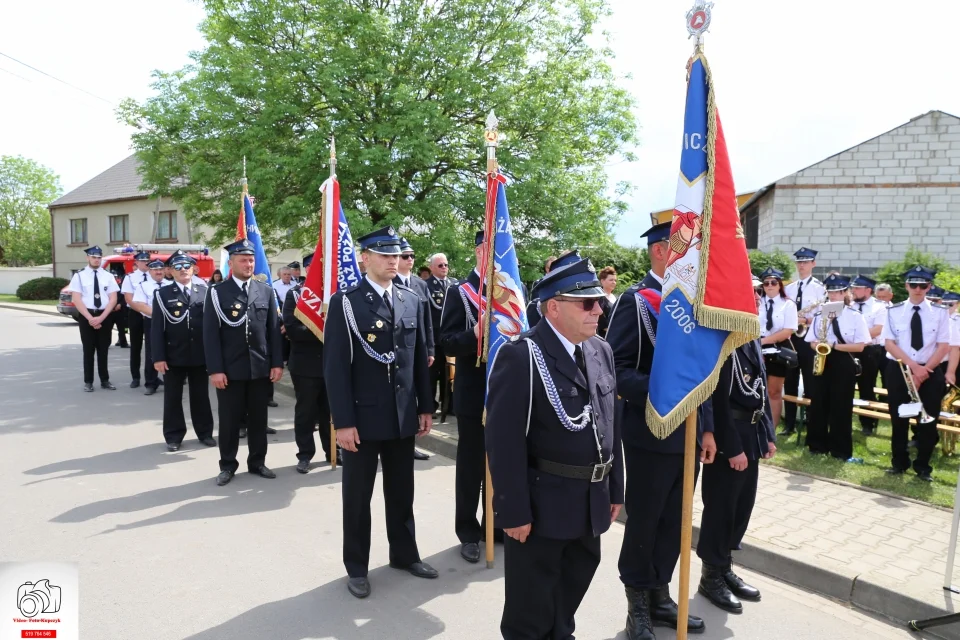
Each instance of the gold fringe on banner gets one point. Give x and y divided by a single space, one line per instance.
308 323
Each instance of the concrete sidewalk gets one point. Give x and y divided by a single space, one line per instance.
873 551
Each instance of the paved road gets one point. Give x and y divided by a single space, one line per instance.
164 553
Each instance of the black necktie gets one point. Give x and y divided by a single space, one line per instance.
916 330
800 295
186 292
769 315
144 277
581 363
861 306
96 290
387 301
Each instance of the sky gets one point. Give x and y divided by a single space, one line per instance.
795 82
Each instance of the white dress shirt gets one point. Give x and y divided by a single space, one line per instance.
853 328
82 283
874 313
145 291
282 288
132 279
569 346
936 328
380 290
784 315
955 330
812 291
240 283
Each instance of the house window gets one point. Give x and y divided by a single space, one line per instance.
167 226
78 231
119 228
751 227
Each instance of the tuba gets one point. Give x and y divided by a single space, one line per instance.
914 394
822 349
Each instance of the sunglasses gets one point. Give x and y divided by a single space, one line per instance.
918 285
771 283
408 256
181 267
586 303
442 265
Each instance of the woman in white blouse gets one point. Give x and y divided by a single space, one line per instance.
778 321
831 400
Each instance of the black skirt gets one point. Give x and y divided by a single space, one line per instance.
774 366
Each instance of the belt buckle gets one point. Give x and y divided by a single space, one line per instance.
599 472
757 414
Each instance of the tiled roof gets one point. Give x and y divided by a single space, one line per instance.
119 182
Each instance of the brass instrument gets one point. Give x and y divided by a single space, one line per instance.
953 394
802 329
914 394
822 348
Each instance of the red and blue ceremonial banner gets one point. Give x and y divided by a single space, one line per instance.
334 263
707 309
247 229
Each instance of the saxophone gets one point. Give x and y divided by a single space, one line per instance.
949 443
802 330
823 349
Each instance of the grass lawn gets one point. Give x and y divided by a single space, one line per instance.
9 297
875 451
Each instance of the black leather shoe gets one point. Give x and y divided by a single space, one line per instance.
149 391
243 433
263 472
359 587
893 471
714 588
271 431
108 385
470 551
303 466
787 431
419 455
925 476
135 383
224 478
173 446
209 441
272 403
639 625
664 611
418 569
88 386
738 587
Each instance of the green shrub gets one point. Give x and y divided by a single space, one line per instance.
41 289
949 279
778 259
892 272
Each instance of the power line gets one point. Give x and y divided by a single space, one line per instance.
93 95
15 74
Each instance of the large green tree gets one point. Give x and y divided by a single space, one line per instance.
26 188
405 85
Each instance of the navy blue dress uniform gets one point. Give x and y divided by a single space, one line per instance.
922 332
177 339
654 467
306 371
555 463
241 339
743 424
411 281
378 381
457 337
804 292
437 288
134 319
533 308
95 287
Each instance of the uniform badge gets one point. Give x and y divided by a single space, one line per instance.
371 337
746 378
236 306
177 312
233 313
379 325
179 304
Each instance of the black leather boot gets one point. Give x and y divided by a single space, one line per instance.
639 626
738 587
664 612
714 588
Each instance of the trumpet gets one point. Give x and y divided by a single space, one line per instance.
924 417
822 349
802 329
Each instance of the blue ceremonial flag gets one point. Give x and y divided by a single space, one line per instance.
247 228
707 309
509 317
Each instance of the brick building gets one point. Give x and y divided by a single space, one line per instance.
865 206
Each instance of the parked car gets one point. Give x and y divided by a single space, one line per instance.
123 259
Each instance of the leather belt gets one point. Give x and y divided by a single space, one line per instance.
752 417
593 473
95 312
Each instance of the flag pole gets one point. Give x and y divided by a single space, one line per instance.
326 258
491 138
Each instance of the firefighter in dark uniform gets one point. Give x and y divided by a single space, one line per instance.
306 371
177 347
744 432
554 456
459 334
134 320
565 259
378 383
654 468
242 346
438 284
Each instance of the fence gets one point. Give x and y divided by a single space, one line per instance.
13 277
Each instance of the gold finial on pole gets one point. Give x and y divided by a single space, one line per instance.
491 138
333 156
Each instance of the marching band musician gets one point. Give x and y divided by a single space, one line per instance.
917 333
951 299
176 345
94 294
306 372
654 467
134 319
554 456
744 431
806 291
459 334
871 359
378 384
242 347
143 302
831 420
778 322
565 259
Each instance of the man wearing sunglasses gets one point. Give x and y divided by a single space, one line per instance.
917 333
438 284
554 455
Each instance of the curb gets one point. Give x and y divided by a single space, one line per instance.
33 308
